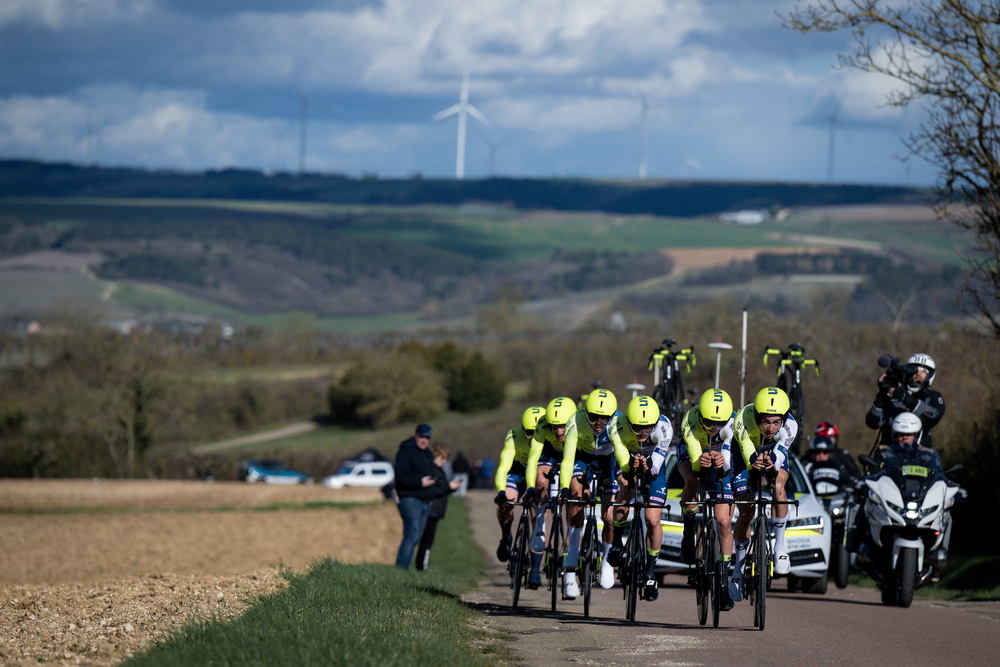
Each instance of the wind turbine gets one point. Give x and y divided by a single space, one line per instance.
644 133
834 125
462 108
493 147
303 118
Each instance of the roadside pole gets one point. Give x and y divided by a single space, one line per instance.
719 347
743 363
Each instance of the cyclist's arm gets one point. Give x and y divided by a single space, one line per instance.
787 432
506 461
534 454
569 453
727 446
741 434
690 429
622 454
663 434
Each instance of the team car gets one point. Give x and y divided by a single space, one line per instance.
361 473
807 533
271 472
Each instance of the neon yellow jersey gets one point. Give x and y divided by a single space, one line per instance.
697 439
516 447
543 438
749 438
580 438
626 443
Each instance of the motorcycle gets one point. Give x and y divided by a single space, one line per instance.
838 501
907 510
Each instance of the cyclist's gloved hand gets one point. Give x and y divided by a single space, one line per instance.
564 495
501 498
529 495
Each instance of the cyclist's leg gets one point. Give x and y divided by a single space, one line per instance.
654 531
575 531
505 514
740 482
723 492
619 518
538 535
688 495
779 516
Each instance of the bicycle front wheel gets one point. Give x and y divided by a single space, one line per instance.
635 563
763 565
703 598
588 556
714 566
554 555
517 559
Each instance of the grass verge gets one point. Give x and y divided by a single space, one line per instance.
358 615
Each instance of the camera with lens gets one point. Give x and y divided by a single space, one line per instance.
895 373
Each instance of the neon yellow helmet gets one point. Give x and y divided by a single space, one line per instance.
602 402
771 401
715 405
559 410
642 411
529 420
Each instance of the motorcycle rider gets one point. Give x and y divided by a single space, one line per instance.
906 431
825 467
912 395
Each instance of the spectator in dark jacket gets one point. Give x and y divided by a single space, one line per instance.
415 488
443 487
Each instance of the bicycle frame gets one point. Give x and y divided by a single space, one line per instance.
520 557
760 554
633 556
590 540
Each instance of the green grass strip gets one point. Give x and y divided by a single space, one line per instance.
358 615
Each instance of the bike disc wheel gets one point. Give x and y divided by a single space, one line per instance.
634 567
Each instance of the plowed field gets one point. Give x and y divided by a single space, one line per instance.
90 572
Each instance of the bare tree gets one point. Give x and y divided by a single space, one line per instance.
947 52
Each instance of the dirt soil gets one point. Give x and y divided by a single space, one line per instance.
91 572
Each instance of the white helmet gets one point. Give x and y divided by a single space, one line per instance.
921 359
907 423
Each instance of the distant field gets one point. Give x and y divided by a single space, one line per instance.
496 239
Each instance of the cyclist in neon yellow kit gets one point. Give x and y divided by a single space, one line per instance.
641 438
763 430
546 451
707 433
588 446
509 478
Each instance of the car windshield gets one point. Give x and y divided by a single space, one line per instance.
345 470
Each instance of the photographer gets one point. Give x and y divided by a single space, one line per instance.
905 389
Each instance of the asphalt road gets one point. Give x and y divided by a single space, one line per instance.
843 627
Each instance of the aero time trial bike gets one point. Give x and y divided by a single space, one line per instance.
758 570
709 566
554 549
632 570
590 540
669 392
520 558
789 380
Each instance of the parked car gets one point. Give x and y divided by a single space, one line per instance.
808 532
271 472
375 474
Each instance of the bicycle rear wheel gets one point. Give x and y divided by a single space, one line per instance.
588 556
763 565
518 557
554 555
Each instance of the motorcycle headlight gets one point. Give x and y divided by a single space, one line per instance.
874 497
837 511
928 510
897 509
948 503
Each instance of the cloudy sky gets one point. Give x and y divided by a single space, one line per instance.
196 84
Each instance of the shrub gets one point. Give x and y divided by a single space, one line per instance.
478 386
380 390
